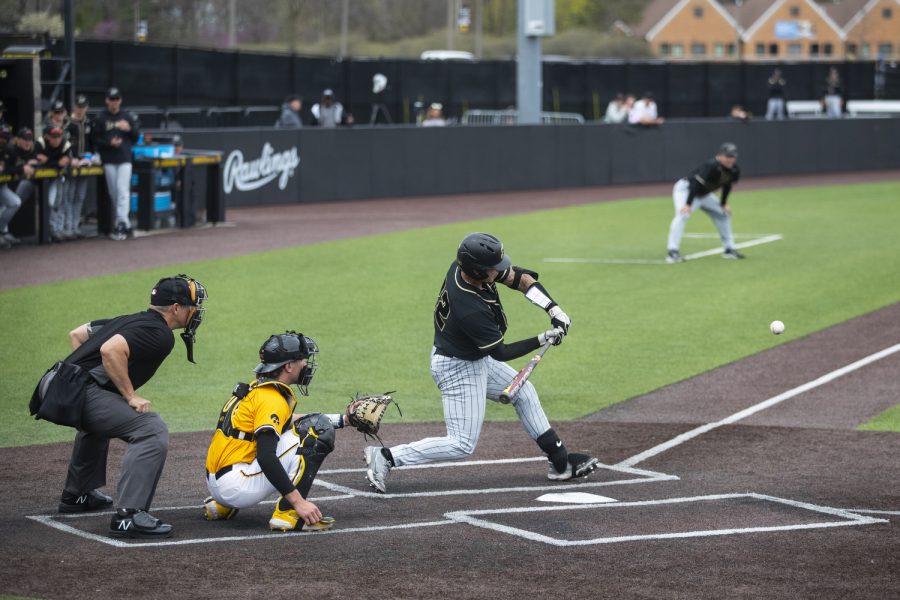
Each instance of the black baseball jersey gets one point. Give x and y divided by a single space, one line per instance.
105 130
20 157
711 176
468 322
54 154
150 340
80 135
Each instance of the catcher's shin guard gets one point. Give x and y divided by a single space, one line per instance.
317 437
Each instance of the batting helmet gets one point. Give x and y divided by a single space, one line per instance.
285 347
479 252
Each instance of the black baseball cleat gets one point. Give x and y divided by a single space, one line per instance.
579 465
92 500
674 256
732 254
138 524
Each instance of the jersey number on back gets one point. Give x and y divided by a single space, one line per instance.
442 308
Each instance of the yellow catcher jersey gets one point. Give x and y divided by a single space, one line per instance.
267 405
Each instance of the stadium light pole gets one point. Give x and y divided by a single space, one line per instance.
535 19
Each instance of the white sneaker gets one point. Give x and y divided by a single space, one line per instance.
378 470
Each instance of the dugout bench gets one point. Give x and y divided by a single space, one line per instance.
33 218
159 197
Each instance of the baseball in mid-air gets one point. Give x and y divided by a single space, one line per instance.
776 327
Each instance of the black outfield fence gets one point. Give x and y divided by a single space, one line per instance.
167 76
269 166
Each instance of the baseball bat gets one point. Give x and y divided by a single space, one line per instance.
510 391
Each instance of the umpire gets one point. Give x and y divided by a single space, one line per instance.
121 355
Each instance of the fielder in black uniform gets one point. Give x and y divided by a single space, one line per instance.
697 189
121 355
468 364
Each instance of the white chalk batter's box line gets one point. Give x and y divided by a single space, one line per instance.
755 239
474 517
57 521
642 476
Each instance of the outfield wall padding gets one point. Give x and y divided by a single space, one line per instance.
268 166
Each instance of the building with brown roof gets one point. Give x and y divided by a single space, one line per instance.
871 27
771 29
793 30
689 29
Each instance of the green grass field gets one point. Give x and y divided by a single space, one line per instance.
368 302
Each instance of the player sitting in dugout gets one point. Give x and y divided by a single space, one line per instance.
260 446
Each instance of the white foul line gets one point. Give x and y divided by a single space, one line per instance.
765 239
688 435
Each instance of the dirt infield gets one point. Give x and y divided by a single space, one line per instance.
789 501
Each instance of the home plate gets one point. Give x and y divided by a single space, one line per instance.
575 498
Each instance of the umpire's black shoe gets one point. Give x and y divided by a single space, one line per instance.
92 500
129 522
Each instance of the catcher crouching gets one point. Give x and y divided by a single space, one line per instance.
260 446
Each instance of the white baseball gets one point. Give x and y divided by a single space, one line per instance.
776 327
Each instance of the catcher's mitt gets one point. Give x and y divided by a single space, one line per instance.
366 411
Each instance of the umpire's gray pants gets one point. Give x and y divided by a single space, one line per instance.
710 204
107 415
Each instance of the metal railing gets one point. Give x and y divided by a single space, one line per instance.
511 117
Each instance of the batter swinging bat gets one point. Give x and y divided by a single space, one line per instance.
507 395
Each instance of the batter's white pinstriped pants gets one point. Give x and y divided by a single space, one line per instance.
465 385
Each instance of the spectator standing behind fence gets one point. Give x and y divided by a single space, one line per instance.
434 117
55 151
616 110
329 112
80 129
644 112
775 104
9 201
290 113
3 122
115 133
833 94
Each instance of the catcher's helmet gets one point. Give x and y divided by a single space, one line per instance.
285 347
479 252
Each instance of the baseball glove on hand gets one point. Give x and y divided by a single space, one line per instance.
366 411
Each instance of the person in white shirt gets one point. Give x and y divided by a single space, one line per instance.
617 110
434 117
644 112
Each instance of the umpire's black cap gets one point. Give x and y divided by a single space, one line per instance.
728 149
173 290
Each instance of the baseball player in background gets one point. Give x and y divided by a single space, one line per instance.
697 190
260 447
468 364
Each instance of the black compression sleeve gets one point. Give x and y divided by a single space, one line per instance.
505 352
266 444
725 191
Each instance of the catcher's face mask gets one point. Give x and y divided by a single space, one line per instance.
311 365
287 347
